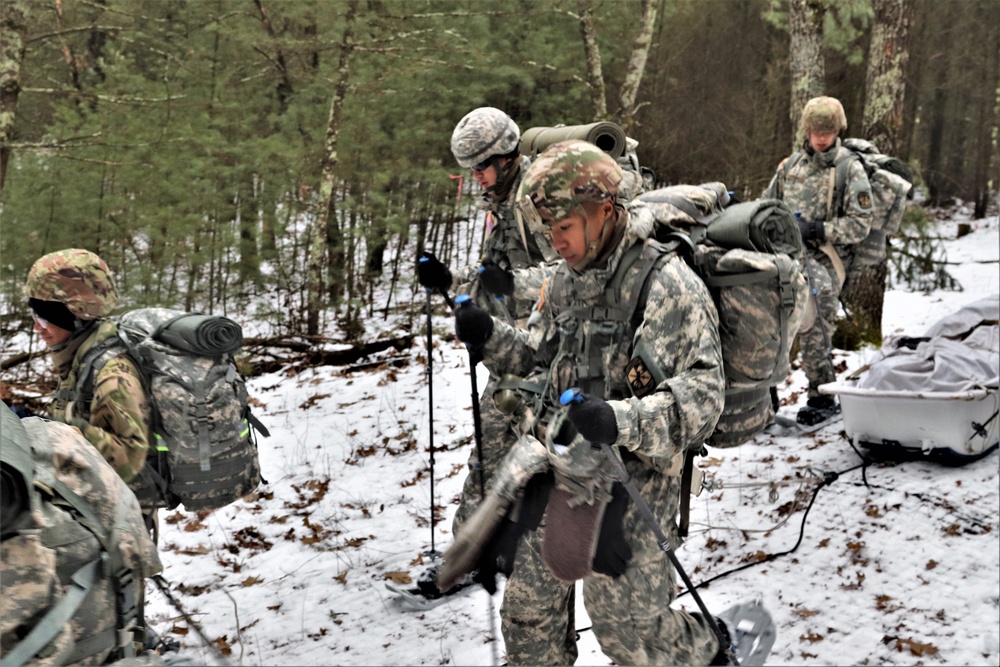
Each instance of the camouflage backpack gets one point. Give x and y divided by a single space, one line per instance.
203 445
747 255
74 551
891 180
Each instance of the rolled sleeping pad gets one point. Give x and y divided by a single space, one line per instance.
609 137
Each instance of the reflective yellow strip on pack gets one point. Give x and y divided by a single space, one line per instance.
159 446
245 431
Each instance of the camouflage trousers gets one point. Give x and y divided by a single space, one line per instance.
498 438
814 343
631 614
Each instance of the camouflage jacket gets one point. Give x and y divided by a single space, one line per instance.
679 331
514 247
118 415
807 186
679 328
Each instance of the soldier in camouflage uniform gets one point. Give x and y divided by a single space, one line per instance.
807 186
71 292
573 339
74 553
508 279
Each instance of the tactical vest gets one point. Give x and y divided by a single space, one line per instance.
595 342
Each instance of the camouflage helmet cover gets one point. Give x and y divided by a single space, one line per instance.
483 133
562 177
75 277
823 114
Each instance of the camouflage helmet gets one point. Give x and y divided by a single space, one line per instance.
484 133
74 277
823 115
562 177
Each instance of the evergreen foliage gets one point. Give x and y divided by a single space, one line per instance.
184 141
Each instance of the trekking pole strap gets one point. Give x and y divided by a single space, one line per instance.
647 515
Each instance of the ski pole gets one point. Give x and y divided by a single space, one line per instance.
432 553
477 430
575 396
477 418
162 585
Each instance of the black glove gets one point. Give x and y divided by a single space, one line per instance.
810 230
432 274
593 417
613 552
499 553
496 281
473 325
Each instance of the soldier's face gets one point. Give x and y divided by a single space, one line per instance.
569 235
821 141
50 333
487 177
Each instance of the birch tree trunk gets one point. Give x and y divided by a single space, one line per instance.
885 87
325 215
13 26
595 72
627 107
808 71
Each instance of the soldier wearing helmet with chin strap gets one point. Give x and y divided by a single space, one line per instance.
71 292
805 181
652 387
506 282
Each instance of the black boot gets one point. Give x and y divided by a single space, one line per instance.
818 409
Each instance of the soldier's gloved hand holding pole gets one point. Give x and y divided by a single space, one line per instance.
593 417
432 273
473 325
496 280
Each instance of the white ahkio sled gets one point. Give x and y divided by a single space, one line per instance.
935 397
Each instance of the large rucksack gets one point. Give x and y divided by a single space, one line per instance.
747 254
75 549
203 449
891 181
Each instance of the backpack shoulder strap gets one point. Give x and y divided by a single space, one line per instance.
843 166
93 361
45 630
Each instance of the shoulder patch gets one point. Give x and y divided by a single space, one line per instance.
865 200
639 377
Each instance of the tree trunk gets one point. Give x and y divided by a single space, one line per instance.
13 26
885 88
326 198
805 25
595 72
627 107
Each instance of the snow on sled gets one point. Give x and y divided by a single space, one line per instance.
934 397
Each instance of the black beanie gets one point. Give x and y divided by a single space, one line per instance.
55 312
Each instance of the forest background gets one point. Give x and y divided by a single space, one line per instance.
278 158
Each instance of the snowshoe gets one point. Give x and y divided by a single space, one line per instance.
818 413
425 594
752 631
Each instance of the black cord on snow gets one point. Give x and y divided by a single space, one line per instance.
828 478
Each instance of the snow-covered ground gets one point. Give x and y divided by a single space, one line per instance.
895 564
